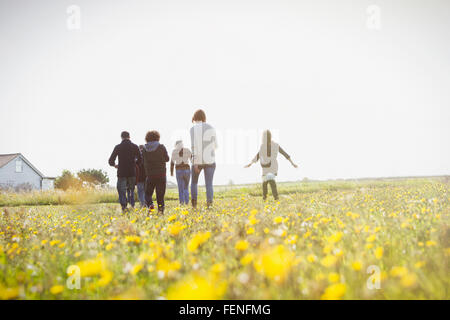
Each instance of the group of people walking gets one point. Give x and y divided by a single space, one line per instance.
144 167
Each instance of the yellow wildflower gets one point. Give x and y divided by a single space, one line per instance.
175 229
334 292
248 258
333 277
133 239
241 245
57 289
275 263
195 287
356 265
278 220
54 242
8 293
328 261
334 238
198 240
379 253
218 268
91 267
419 264
136 268
408 280
105 277
252 221
430 243
398 271
165 266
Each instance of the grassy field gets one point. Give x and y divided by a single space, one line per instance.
109 195
329 240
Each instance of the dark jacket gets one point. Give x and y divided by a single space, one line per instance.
140 171
128 154
155 158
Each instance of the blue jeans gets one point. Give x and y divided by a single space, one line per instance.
141 193
125 188
209 175
183 177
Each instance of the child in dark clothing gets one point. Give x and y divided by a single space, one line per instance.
155 158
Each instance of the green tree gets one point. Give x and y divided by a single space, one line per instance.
93 177
67 181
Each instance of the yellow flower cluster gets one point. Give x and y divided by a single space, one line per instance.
197 240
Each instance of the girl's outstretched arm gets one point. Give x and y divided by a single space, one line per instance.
255 159
293 164
288 157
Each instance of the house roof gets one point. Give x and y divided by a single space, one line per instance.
7 158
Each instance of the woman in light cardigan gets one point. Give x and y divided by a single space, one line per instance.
267 155
203 146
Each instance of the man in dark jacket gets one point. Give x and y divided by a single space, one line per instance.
155 158
129 155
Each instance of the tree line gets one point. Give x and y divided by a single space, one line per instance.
90 178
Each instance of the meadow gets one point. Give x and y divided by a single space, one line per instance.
383 239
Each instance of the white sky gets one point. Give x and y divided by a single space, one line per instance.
344 100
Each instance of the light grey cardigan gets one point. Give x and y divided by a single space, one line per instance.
203 143
269 163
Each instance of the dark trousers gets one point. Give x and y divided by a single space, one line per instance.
158 183
273 186
125 188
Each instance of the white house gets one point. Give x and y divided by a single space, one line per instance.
16 171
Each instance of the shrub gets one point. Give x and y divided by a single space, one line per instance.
67 181
26 187
93 177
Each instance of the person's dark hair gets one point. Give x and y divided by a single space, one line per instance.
267 138
125 135
199 115
152 136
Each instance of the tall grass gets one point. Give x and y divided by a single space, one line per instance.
94 196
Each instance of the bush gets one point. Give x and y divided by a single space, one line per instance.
6 187
67 181
23 187
93 177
